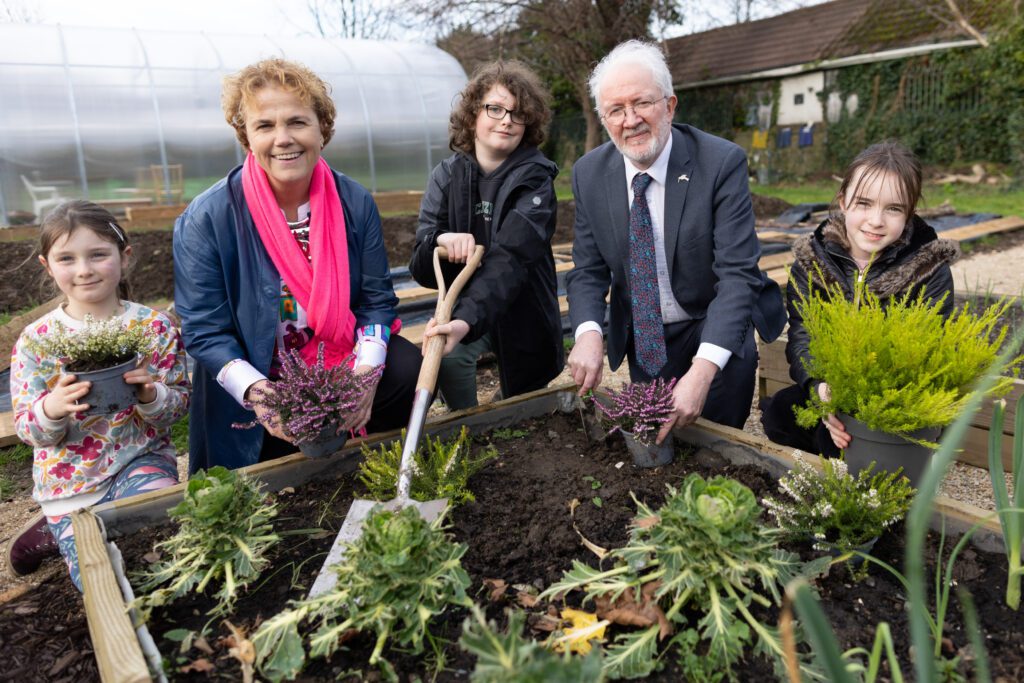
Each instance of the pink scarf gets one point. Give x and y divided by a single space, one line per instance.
329 312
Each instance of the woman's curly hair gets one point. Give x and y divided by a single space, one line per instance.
532 100
239 90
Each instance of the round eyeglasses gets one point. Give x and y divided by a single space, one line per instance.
617 115
497 112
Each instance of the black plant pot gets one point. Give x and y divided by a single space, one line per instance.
328 442
888 451
109 392
650 455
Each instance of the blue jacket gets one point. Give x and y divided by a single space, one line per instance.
227 292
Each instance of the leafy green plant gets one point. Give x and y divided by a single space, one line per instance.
507 657
97 345
704 550
897 366
400 573
1009 504
508 433
442 468
224 534
838 510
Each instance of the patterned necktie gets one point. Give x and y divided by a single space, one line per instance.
648 330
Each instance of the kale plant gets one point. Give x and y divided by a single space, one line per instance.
640 408
98 345
507 657
835 507
897 365
706 551
224 534
442 468
400 573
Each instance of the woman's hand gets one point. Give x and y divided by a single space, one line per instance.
271 421
63 400
145 384
361 416
836 429
456 331
459 245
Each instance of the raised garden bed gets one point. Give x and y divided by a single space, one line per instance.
519 530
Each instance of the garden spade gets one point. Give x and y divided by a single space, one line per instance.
430 510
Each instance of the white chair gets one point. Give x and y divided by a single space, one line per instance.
44 197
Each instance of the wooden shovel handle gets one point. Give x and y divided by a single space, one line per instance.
446 297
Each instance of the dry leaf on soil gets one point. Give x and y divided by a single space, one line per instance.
628 612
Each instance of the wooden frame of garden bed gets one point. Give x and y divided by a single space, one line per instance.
119 653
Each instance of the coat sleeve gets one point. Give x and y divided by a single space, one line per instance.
939 285
797 341
519 243
167 365
736 254
376 302
588 282
433 221
30 383
208 323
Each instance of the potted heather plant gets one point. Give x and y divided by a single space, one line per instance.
311 402
638 410
897 371
100 352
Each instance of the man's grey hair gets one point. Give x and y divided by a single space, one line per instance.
633 52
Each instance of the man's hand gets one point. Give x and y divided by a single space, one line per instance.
145 388
271 421
63 399
689 395
586 361
459 245
836 429
358 419
456 331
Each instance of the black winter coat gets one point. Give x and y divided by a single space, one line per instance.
917 262
514 294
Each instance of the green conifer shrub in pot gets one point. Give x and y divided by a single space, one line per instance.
897 371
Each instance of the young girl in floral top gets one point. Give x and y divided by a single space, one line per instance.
83 460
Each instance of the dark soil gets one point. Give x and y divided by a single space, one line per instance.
23 284
518 530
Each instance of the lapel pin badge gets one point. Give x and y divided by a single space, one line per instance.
684 178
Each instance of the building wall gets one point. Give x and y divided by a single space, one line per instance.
798 99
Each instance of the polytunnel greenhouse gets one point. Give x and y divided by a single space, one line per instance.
127 117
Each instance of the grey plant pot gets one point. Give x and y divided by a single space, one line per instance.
888 451
650 456
109 392
328 442
856 560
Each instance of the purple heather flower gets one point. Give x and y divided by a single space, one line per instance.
640 408
311 399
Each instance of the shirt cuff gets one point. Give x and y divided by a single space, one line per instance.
713 353
236 377
45 423
372 345
588 326
157 404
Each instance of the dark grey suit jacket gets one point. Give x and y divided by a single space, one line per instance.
710 243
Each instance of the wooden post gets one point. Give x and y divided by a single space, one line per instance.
116 646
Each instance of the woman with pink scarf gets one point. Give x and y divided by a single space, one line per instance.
284 253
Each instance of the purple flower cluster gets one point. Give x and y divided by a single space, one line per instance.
640 407
309 400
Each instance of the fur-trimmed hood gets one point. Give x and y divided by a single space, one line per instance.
910 260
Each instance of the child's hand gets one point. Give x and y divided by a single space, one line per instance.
63 400
836 429
145 389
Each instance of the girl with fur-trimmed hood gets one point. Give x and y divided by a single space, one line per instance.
872 224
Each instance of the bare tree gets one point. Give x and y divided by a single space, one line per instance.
561 39
353 18
17 12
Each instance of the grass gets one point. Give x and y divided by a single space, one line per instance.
11 459
179 435
964 198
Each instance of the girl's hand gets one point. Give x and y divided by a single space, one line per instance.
836 429
63 400
358 419
145 388
456 331
460 245
270 420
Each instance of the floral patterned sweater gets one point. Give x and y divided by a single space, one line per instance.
77 457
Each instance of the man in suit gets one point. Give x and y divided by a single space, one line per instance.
664 219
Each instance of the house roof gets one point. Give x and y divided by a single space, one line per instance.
831 30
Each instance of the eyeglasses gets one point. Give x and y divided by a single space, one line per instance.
617 115
497 112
